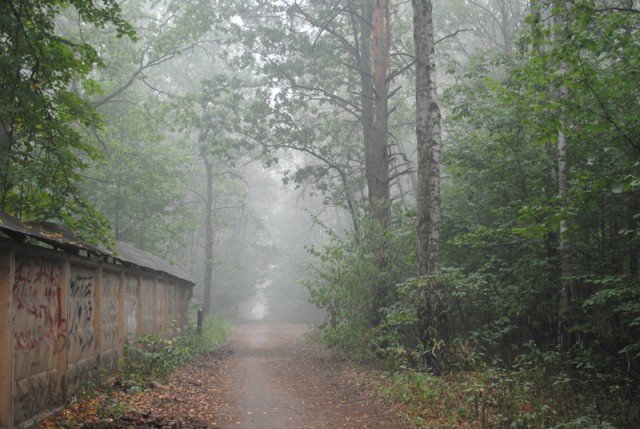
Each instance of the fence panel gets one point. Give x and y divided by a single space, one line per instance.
64 318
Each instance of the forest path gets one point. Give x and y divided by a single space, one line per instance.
276 380
266 377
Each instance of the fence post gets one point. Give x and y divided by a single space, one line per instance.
200 320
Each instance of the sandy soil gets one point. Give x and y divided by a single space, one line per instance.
277 381
267 377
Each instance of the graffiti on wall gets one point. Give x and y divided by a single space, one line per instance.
81 338
34 394
64 327
39 333
109 308
37 311
81 314
131 303
109 320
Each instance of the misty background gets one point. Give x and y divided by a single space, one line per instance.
257 92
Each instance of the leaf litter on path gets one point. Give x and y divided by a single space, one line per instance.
266 377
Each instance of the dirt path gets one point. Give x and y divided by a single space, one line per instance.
268 377
278 381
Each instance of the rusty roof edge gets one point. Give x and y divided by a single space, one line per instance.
125 252
59 236
46 232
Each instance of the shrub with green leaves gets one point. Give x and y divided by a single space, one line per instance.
353 278
158 355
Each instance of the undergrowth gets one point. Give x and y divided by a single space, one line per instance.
156 356
525 396
147 361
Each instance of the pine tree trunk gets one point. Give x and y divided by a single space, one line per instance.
374 57
378 182
367 97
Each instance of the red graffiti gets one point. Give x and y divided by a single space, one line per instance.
39 339
47 274
37 301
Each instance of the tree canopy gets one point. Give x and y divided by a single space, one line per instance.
43 76
470 169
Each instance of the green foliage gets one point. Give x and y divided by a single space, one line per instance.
41 151
402 340
156 356
398 336
489 397
501 201
353 276
616 302
314 98
139 183
501 219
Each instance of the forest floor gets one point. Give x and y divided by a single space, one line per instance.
267 377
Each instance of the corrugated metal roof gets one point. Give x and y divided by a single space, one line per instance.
51 233
61 237
127 253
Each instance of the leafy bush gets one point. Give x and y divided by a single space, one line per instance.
353 279
157 355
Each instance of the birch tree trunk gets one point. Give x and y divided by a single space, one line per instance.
431 305
429 140
561 20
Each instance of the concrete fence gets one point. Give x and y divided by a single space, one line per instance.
64 318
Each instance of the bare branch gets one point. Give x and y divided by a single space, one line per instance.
617 9
141 68
454 34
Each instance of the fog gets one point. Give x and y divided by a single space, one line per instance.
285 230
455 183
233 135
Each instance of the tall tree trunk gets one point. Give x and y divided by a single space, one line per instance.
373 58
429 140
561 20
432 306
373 63
566 271
367 97
378 179
208 238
